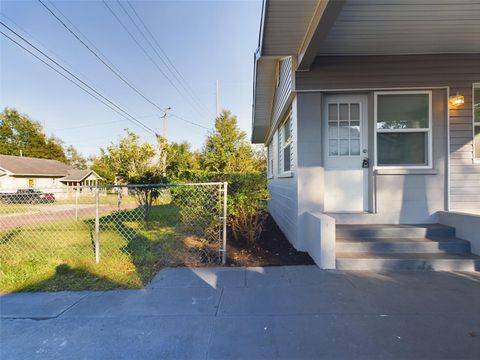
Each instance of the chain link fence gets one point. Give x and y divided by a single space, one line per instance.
165 224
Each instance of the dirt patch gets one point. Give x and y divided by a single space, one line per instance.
272 249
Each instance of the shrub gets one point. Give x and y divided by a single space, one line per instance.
246 202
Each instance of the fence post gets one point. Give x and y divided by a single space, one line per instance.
76 204
225 194
97 225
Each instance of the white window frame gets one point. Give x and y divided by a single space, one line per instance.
270 160
427 130
282 144
475 123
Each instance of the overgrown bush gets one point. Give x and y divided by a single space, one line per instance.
247 197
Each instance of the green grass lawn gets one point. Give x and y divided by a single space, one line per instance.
59 255
15 208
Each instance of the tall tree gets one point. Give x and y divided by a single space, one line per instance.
130 161
180 158
227 149
75 159
20 134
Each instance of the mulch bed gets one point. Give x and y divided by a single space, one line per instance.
272 249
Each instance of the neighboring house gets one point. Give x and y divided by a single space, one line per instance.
24 172
367 110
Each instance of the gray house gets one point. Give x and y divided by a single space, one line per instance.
370 111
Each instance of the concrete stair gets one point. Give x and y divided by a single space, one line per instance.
402 247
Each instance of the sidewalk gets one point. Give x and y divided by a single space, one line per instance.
296 312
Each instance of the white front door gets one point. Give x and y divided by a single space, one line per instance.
345 148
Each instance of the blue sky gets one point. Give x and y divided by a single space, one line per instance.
205 40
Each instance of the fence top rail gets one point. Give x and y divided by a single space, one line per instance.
13 191
161 185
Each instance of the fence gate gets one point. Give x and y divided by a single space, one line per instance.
183 224
164 224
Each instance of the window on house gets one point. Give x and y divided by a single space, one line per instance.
403 129
476 121
285 146
270 160
31 183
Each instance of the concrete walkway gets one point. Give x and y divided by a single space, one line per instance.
297 312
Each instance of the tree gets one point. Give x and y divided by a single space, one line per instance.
227 149
20 134
75 159
132 162
180 158
129 160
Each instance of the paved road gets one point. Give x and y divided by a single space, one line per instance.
41 214
297 312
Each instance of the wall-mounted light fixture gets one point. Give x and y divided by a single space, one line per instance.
457 100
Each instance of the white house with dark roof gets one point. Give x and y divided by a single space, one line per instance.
25 172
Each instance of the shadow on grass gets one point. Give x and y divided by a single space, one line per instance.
9 235
74 279
149 245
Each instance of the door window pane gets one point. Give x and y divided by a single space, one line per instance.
344 129
403 148
333 147
343 110
354 111
333 130
403 111
332 112
354 129
354 147
343 147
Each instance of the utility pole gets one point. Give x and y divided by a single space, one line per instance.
163 143
218 101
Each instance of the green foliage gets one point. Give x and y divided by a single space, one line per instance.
129 161
180 158
19 133
227 149
246 201
75 159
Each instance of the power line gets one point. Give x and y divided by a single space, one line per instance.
115 71
107 102
145 51
190 122
169 64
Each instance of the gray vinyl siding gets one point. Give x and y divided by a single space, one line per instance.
404 27
464 173
283 203
283 92
458 72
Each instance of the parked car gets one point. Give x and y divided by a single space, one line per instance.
27 196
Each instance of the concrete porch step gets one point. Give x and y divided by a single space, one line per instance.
402 245
407 261
429 231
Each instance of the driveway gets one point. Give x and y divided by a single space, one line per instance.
296 312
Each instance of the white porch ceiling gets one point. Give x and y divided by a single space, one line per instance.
373 27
